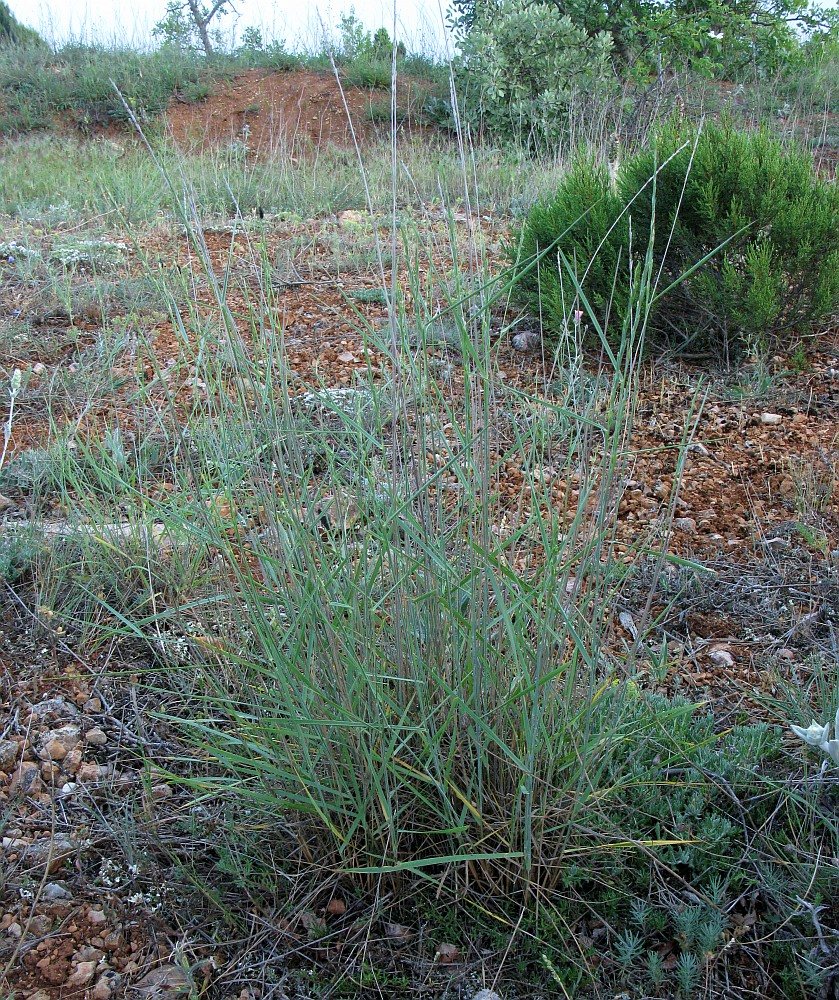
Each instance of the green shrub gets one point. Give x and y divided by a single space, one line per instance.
379 112
376 296
369 73
366 59
276 57
255 53
728 821
194 91
383 46
749 207
522 63
18 552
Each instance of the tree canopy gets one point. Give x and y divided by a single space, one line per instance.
647 34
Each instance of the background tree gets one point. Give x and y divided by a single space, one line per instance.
184 19
647 34
12 32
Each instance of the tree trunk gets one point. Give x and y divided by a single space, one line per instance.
201 26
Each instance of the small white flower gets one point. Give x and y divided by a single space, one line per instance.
716 34
814 735
818 736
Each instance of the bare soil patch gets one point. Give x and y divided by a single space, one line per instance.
275 113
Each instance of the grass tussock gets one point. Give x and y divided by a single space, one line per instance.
385 676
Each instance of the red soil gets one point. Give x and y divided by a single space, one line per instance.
278 112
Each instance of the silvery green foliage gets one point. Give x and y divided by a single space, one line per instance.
28 471
523 62
351 402
10 252
73 252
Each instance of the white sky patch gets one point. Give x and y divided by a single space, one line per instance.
300 23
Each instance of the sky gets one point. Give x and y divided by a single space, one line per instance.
300 23
420 22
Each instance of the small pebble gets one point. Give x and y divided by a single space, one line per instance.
82 974
8 754
51 852
58 707
106 985
53 891
49 771
721 658
90 954
72 762
686 524
27 779
89 773
53 751
166 980
56 744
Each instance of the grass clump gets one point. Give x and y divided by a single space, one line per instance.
387 673
379 112
37 85
53 182
374 652
368 74
744 236
376 296
402 676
